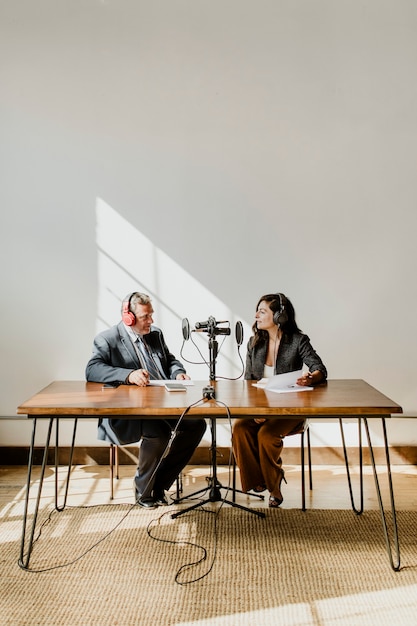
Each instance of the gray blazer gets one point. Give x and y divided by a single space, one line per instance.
294 352
113 358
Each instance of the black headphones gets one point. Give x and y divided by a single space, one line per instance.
280 316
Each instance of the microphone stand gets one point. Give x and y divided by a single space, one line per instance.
214 483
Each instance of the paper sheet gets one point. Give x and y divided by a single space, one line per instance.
283 383
161 383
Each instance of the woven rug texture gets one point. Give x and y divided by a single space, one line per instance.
116 565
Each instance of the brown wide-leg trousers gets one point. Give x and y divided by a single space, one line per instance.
257 449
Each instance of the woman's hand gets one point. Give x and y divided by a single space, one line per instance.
310 378
305 380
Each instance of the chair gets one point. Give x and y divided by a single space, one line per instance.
114 468
304 433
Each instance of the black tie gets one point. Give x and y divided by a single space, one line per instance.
148 360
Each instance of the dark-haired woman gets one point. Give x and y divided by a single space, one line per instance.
277 346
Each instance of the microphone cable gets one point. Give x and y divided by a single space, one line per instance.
206 362
204 551
95 506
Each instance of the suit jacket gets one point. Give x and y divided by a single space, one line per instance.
294 352
113 359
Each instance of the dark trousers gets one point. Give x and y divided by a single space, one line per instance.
155 473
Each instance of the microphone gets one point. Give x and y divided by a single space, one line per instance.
185 329
239 333
210 322
214 330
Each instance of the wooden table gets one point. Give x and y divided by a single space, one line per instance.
339 399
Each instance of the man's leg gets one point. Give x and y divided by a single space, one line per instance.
186 440
155 437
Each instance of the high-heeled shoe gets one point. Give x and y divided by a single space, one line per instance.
277 500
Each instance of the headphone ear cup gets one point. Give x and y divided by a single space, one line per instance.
128 317
283 317
280 317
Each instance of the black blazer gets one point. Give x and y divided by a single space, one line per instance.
294 352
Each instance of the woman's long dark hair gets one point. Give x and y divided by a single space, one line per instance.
275 301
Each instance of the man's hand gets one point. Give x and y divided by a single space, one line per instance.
182 376
139 378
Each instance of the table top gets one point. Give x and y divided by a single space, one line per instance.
350 397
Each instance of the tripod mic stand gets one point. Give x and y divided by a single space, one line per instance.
214 485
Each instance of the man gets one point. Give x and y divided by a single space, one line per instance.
132 353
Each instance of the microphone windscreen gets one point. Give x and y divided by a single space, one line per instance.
185 329
239 333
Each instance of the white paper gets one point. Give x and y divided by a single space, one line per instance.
261 383
283 383
161 383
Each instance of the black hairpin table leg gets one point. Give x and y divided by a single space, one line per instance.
392 551
359 510
67 480
25 555
28 529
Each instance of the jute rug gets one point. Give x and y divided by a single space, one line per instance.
120 565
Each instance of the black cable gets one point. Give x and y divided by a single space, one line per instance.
240 375
205 362
171 439
187 566
94 545
83 554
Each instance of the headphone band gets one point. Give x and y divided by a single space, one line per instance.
128 317
280 316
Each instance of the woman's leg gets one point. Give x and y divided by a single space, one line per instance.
270 443
245 449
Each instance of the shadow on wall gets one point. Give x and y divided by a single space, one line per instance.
128 261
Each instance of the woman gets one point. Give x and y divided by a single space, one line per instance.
277 346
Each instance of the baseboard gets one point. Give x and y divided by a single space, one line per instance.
19 455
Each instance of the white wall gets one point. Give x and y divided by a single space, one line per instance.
207 152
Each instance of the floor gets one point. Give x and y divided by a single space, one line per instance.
394 602
90 484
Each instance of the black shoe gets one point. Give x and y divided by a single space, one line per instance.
275 502
147 503
277 499
160 499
